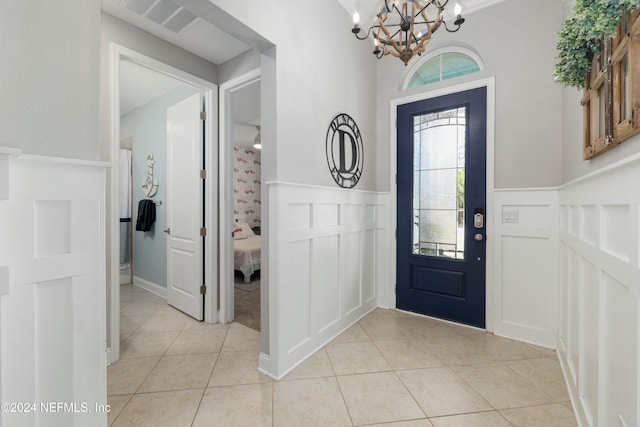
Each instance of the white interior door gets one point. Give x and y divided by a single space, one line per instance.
185 207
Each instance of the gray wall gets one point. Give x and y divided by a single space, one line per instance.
147 125
49 77
318 74
516 41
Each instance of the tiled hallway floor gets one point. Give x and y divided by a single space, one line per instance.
390 369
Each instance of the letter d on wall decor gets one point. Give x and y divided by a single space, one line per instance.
344 151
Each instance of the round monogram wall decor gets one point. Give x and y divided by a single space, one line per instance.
344 151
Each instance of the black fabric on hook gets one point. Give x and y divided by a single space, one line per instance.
146 215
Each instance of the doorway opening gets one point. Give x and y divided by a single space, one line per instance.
247 204
168 152
241 260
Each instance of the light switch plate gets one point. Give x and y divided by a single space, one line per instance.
510 216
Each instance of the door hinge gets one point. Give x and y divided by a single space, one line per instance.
203 173
396 289
203 231
203 115
203 289
395 233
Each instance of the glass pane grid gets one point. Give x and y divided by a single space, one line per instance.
443 67
438 197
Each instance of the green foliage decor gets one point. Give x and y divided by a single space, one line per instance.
578 38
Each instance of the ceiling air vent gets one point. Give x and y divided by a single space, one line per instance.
166 13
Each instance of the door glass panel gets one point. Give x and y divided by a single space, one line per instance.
438 183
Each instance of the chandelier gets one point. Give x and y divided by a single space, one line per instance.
403 28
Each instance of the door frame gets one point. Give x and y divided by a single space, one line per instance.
489 83
226 190
116 54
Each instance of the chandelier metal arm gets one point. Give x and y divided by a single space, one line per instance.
357 30
398 25
458 22
396 9
432 2
386 6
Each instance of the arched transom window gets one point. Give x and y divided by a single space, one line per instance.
443 64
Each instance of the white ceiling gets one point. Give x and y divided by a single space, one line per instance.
201 38
216 46
139 85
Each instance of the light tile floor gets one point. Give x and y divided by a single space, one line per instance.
389 369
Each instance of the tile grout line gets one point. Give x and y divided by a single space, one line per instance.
376 344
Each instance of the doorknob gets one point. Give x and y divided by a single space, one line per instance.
478 237
167 230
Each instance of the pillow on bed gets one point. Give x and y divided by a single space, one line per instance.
242 231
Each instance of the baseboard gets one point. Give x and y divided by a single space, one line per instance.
109 356
265 358
154 288
574 396
264 364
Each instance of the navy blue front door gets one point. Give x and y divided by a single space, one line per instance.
441 207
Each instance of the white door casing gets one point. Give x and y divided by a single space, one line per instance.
118 53
184 206
226 221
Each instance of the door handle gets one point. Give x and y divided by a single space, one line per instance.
167 230
479 237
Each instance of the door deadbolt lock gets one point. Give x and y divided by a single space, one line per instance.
478 218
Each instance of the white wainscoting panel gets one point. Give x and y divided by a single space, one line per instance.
52 291
331 252
526 265
599 326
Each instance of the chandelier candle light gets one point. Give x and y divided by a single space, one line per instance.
403 28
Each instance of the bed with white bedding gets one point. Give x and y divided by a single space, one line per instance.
246 250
